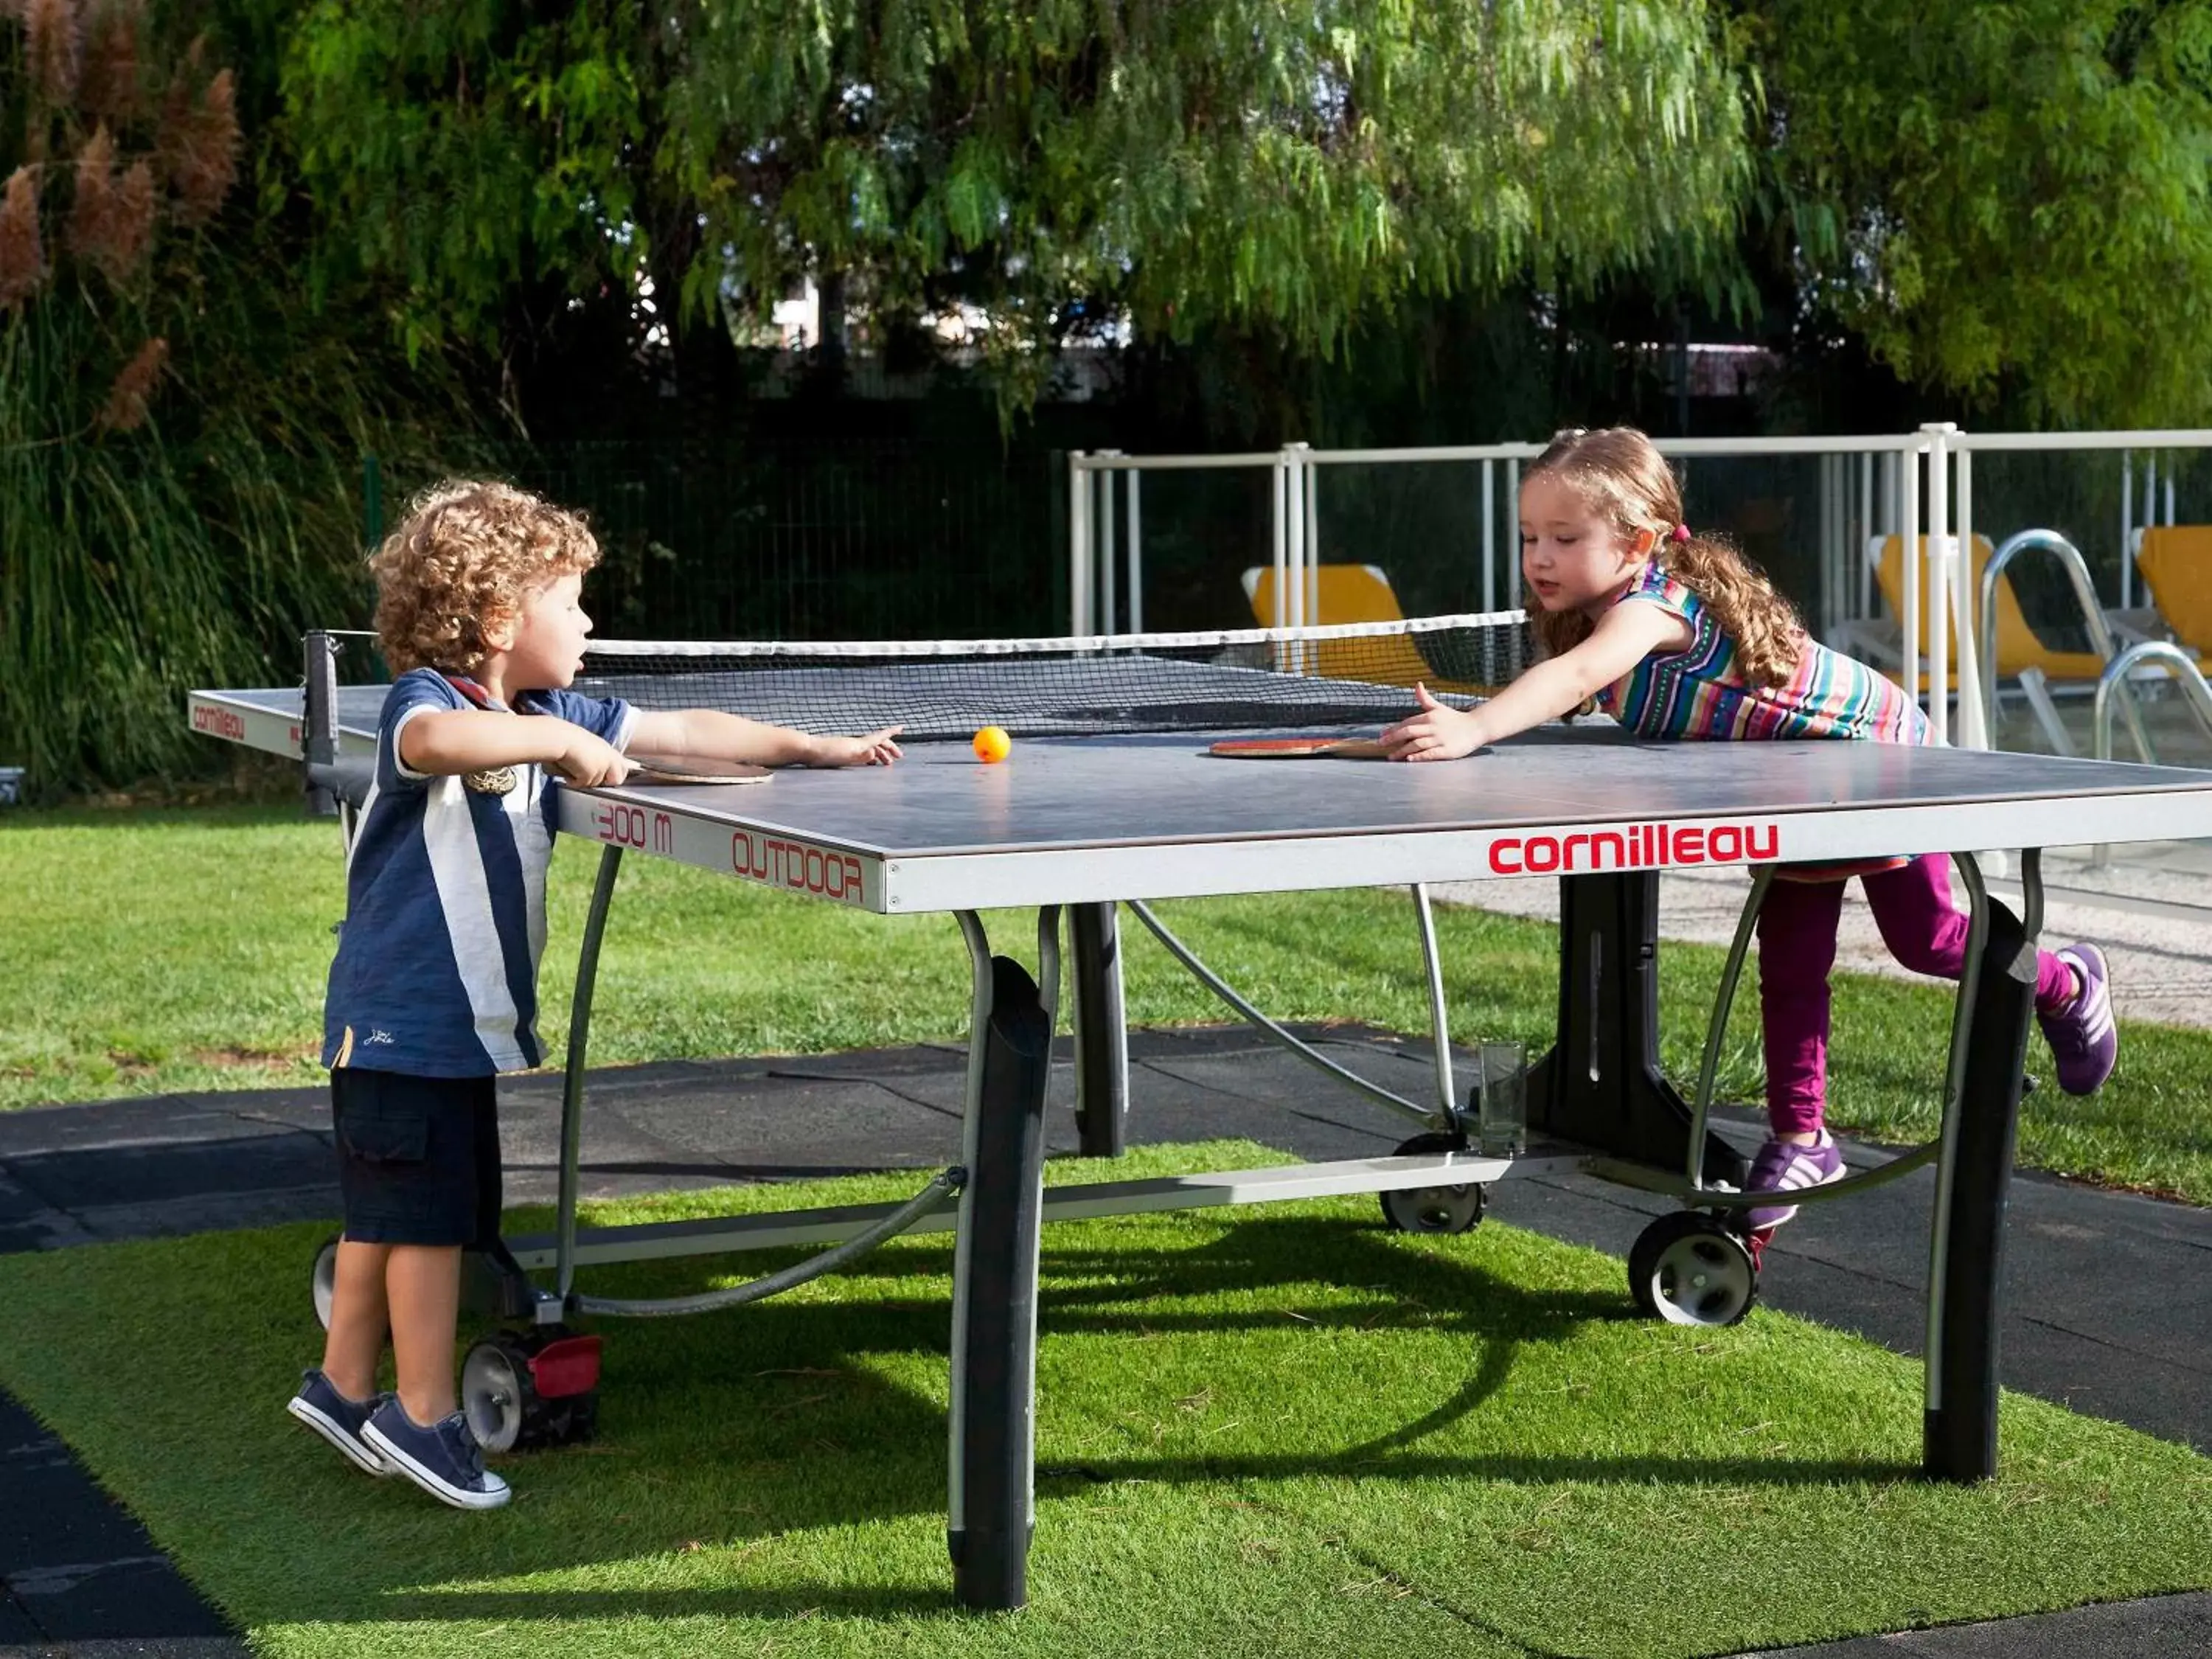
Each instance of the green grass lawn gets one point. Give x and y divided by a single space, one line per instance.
149 951
1261 1432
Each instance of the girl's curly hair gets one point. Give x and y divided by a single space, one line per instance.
466 555
1616 471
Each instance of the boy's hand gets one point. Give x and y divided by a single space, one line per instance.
876 749
1438 732
590 760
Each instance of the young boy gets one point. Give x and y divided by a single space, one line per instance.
433 991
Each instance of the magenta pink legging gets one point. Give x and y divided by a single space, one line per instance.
1924 930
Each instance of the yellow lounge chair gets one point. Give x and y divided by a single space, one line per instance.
2018 646
2176 561
1354 593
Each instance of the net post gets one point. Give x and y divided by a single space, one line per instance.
318 736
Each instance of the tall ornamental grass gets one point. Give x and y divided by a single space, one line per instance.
177 427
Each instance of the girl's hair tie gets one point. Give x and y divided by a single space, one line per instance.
1681 534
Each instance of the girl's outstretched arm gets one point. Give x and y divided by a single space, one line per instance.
1624 636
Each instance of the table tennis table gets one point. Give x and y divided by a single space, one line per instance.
1101 818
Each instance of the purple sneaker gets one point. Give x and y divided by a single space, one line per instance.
1783 1167
2083 1039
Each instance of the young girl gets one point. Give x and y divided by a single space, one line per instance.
1677 636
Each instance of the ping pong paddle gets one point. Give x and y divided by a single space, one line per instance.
1300 748
692 769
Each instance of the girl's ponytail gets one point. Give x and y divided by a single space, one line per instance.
1759 622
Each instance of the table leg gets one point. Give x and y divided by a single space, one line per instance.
572 1083
1600 1084
994 1427
1972 1179
1102 1036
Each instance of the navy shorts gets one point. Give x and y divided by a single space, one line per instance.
418 1157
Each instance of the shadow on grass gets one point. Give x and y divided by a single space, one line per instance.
740 1432
798 1447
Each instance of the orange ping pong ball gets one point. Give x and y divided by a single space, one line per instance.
992 743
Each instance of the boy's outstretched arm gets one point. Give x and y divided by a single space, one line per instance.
708 734
1624 636
450 741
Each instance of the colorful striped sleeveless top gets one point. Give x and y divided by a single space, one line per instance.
1700 692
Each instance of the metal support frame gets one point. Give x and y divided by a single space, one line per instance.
1441 1118
1694 1191
1425 921
1599 1085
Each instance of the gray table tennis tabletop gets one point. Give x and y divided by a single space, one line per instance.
1154 815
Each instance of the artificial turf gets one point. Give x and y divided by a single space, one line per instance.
1284 1430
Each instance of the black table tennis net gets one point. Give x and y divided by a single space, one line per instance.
1250 679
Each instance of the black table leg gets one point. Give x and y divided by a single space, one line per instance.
994 1285
1101 1039
1959 1436
1600 1084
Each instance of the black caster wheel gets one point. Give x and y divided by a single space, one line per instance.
323 1278
519 1391
1433 1209
1688 1268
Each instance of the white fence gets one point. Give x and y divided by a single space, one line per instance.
1919 487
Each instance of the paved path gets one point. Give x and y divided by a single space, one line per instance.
2109 1296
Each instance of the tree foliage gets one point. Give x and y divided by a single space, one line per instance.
2011 201
177 437
1297 168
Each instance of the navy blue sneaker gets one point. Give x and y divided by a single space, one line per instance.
337 1420
444 1458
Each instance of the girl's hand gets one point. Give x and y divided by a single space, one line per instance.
1438 732
875 748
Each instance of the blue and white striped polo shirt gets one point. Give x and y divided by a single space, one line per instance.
436 972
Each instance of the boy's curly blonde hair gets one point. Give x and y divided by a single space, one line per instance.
1616 471
464 560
